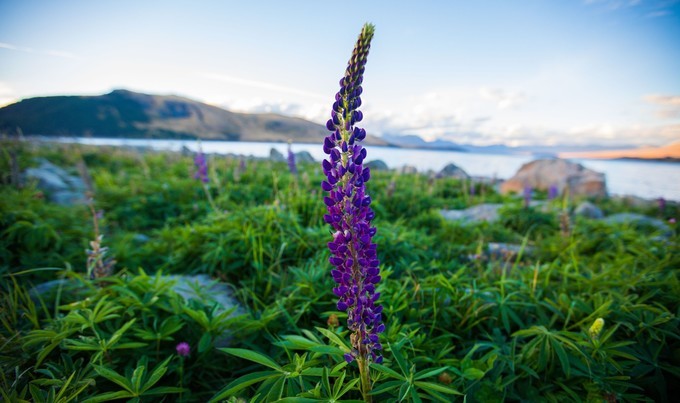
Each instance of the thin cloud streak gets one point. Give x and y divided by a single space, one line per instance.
260 84
47 52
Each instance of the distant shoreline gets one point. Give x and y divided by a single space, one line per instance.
575 156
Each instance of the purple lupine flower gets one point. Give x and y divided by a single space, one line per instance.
353 253
201 167
553 192
472 188
183 349
662 205
291 161
528 190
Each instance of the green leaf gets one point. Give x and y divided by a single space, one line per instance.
242 383
428 373
401 361
437 387
388 371
473 373
105 397
114 377
253 356
334 338
205 343
276 391
157 374
162 390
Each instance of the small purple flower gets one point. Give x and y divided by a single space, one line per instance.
183 349
353 254
528 190
291 161
201 167
671 220
662 205
553 192
472 188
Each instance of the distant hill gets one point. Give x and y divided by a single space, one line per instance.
414 141
123 113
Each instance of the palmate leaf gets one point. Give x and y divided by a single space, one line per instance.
115 377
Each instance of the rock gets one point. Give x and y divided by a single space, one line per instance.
377 165
276 156
480 212
453 171
408 169
304 156
504 251
140 238
57 184
588 210
640 221
563 174
200 288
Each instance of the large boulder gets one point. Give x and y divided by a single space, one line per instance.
59 186
564 175
453 171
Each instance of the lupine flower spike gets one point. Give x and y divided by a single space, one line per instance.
291 160
353 254
201 167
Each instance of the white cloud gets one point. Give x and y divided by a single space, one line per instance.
503 99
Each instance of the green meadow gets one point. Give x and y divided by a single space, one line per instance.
581 310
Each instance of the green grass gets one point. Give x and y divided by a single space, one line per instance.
460 325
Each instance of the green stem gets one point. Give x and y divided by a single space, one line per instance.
365 375
210 199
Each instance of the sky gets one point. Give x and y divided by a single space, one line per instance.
524 72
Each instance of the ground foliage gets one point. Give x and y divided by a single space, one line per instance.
461 324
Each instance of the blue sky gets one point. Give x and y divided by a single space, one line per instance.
481 72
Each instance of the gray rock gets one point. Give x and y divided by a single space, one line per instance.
304 156
481 212
453 171
276 156
564 175
140 238
408 169
588 210
504 251
59 186
377 165
200 288
640 221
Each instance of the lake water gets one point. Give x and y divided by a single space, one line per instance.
638 178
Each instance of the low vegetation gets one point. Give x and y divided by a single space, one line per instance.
585 311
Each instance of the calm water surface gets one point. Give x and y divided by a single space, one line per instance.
638 178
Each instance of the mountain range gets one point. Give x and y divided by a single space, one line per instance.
128 114
124 113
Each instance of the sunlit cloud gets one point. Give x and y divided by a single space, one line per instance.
45 52
669 105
